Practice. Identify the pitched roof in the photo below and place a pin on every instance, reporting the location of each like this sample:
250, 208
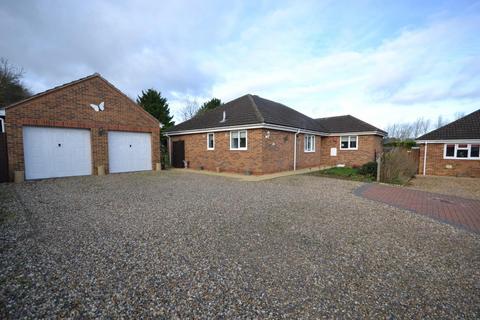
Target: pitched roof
54, 89
346, 123
249, 109
68, 84
467, 127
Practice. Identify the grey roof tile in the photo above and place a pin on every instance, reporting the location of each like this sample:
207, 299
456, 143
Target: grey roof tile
346, 123
467, 127
251, 109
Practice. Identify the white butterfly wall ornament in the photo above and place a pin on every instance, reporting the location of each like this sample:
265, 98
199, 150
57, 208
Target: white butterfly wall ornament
100, 107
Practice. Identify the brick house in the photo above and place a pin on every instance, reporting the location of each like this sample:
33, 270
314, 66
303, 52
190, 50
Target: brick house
452, 150
254, 135
80, 128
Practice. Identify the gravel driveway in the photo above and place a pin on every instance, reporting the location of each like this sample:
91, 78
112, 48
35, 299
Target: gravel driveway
196, 246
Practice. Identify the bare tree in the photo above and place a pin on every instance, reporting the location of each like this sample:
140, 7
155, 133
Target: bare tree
190, 110
407, 130
11, 86
420, 127
440, 122
458, 115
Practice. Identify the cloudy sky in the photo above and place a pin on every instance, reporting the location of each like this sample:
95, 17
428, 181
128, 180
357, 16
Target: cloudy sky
382, 61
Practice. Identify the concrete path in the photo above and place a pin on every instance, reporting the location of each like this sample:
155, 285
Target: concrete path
461, 212
243, 177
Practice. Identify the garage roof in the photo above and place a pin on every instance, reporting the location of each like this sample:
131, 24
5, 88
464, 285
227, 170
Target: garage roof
40, 94
65, 85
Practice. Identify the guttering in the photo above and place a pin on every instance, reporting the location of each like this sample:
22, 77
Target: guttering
360, 133
461, 141
249, 126
425, 158
295, 150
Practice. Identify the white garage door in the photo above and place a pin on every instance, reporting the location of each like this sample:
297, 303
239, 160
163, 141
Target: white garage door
56, 152
129, 151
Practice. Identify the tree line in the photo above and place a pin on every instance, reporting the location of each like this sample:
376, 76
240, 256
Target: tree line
418, 127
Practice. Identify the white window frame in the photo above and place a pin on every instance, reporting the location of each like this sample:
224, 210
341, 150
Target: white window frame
2, 125
246, 140
469, 148
208, 140
307, 136
349, 138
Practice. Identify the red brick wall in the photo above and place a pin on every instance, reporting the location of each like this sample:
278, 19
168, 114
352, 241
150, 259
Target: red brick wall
278, 151
268, 151
368, 146
238, 161
69, 107
438, 166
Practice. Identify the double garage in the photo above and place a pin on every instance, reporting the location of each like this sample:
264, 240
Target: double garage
60, 152
59, 133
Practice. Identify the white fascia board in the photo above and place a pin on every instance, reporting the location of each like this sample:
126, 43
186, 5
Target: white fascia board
457, 141
361, 133
246, 127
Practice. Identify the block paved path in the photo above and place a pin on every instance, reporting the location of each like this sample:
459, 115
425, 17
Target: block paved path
461, 212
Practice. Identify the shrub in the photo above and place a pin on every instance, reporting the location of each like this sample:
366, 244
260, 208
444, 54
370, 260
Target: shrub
409, 144
368, 169
398, 166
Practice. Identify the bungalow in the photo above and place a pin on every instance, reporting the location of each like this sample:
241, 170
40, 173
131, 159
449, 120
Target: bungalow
452, 150
254, 135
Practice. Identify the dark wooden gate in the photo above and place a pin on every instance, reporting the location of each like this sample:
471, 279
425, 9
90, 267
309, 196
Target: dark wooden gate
178, 154
414, 154
3, 158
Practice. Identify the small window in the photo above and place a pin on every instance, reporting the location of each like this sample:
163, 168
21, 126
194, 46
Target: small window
344, 143
210, 141
309, 143
353, 142
348, 143
238, 140
462, 151
450, 150
475, 151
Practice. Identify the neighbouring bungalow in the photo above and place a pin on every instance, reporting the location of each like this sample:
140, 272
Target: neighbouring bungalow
452, 150
253, 135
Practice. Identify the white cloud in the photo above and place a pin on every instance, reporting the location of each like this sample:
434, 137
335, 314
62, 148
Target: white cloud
322, 58
414, 74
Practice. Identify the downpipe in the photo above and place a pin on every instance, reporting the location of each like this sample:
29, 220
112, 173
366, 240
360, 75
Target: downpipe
295, 151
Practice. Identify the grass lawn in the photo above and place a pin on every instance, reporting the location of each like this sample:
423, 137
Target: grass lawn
344, 173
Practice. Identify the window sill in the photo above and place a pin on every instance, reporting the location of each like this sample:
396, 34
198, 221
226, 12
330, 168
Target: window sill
449, 158
309, 151
349, 149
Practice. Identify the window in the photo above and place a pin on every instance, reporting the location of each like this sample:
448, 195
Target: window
348, 143
462, 151
210, 141
238, 140
475, 151
450, 150
309, 143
